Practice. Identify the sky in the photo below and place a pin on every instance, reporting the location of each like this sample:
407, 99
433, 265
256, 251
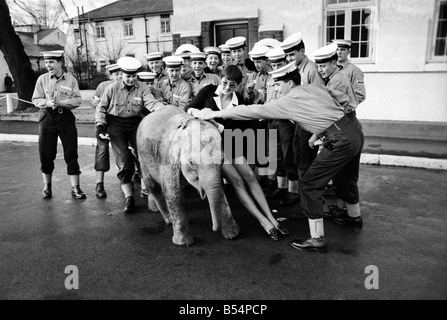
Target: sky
89, 5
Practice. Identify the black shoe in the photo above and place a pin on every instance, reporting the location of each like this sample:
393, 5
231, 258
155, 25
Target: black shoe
334, 212
282, 231
299, 215
130, 205
290, 199
273, 234
100, 192
77, 193
46, 193
279, 194
312, 244
346, 220
270, 186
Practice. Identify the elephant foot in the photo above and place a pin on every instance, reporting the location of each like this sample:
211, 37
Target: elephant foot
183, 240
230, 230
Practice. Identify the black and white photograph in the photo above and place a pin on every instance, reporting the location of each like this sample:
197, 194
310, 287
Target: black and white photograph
223, 159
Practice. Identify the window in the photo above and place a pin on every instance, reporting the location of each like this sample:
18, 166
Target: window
354, 20
100, 33
165, 24
128, 28
77, 35
102, 66
439, 48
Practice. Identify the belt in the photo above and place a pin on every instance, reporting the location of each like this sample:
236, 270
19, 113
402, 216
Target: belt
59, 110
337, 126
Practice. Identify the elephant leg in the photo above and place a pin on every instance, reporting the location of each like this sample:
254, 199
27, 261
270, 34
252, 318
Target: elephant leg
229, 227
180, 225
160, 202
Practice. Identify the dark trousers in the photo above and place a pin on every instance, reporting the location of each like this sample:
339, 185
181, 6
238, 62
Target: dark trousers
102, 155
53, 124
339, 160
123, 133
286, 131
304, 155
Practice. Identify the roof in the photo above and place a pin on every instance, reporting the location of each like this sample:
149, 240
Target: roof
44, 32
129, 8
32, 49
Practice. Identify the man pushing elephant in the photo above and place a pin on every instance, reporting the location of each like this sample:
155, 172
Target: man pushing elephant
120, 109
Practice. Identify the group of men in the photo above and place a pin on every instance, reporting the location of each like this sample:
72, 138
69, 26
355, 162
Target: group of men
306, 102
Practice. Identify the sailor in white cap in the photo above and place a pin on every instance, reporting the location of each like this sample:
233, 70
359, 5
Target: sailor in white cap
225, 56
155, 64
295, 49
176, 91
237, 46
212, 59
57, 93
314, 109
148, 78
102, 154
269, 42
120, 110
184, 51
256, 89
282, 186
199, 78
326, 59
354, 74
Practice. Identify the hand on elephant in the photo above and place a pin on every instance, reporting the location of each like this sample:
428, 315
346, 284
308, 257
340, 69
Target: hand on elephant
194, 112
207, 114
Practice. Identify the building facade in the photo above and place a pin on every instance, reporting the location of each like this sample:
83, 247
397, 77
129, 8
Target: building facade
399, 44
123, 28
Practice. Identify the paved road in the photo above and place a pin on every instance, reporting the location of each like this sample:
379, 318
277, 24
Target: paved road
132, 257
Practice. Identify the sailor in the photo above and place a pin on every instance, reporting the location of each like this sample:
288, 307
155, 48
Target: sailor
120, 109
199, 78
57, 93
176, 91
213, 59
155, 63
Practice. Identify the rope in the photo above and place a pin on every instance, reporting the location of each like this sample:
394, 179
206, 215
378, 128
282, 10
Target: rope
2, 97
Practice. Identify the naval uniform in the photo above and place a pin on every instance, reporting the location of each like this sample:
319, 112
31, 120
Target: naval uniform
120, 110
102, 153
59, 122
177, 93
313, 108
205, 79
304, 155
355, 75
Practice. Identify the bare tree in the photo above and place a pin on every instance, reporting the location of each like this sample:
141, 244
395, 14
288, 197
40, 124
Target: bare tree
16, 58
114, 47
49, 13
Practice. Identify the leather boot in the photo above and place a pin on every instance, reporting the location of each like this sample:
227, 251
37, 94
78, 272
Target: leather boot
100, 192
311, 244
130, 205
77, 193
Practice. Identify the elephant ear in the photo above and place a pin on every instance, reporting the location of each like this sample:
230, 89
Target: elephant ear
178, 139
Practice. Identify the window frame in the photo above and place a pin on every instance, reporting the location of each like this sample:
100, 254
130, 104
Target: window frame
349, 7
100, 25
163, 20
126, 24
433, 33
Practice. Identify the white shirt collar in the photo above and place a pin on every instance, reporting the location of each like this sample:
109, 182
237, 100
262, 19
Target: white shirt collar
232, 104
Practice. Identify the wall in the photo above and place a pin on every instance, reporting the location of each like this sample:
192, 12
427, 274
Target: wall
402, 84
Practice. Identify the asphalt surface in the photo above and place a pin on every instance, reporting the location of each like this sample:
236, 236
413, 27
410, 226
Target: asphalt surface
132, 257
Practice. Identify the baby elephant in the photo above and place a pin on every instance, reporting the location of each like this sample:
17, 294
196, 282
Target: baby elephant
173, 146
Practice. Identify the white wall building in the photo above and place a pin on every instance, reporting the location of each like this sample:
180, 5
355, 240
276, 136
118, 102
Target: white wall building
401, 45
127, 27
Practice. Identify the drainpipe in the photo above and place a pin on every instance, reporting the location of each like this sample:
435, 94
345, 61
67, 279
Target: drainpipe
146, 36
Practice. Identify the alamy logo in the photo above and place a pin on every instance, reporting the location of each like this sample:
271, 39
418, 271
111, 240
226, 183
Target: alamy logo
72, 281
372, 281
198, 145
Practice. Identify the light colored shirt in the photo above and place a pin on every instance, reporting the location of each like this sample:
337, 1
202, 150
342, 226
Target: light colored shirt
161, 79
204, 80
177, 94
261, 82
311, 106
245, 73
99, 91
118, 101
64, 89
355, 75
309, 72
338, 81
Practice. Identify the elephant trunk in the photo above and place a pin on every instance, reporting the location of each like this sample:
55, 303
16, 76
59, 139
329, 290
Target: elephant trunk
216, 201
